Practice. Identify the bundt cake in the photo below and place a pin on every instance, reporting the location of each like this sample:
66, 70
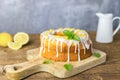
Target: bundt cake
65, 44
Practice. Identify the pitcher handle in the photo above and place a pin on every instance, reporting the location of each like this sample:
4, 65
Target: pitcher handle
118, 27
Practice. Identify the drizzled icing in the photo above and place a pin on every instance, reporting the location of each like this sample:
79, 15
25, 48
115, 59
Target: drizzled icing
53, 41
44, 44
41, 48
84, 38
75, 47
49, 44
78, 52
83, 47
57, 47
75, 43
61, 43
69, 45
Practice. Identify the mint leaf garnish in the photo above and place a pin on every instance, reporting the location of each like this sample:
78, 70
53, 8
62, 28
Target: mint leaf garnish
67, 32
72, 32
97, 55
71, 35
46, 61
76, 37
68, 67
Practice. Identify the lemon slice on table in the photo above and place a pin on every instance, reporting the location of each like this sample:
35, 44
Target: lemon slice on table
5, 38
21, 38
14, 45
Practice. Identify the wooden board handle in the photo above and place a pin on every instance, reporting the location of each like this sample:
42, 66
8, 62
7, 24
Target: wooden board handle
22, 70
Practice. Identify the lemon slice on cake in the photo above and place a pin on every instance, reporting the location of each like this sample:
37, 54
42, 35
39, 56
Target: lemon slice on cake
14, 45
21, 38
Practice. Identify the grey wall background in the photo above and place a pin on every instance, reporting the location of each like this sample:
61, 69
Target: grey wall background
35, 16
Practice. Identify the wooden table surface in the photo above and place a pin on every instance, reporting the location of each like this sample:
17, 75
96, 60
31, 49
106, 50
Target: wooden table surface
110, 70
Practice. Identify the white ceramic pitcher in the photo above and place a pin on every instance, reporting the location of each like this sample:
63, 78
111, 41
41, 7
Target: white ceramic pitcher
105, 31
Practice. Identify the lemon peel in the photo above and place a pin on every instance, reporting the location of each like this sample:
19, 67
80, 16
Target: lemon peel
5, 38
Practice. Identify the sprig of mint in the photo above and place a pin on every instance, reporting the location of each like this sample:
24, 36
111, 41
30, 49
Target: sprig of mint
68, 67
46, 61
97, 55
71, 35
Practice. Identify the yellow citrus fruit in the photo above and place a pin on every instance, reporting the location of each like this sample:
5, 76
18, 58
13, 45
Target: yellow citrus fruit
14, 46
5, 38
21, 38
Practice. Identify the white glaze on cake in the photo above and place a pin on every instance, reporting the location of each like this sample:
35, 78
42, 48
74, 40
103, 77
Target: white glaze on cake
49, 44
51, 38
69, 45
57, 48
78, 52
44, 44
75, 46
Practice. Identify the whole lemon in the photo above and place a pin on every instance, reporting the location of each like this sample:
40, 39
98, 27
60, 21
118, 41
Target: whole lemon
5, 38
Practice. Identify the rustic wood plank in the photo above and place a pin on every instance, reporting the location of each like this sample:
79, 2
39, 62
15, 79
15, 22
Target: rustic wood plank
107, 71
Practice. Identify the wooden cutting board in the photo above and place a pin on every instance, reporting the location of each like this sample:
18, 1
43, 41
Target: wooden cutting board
35, 64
